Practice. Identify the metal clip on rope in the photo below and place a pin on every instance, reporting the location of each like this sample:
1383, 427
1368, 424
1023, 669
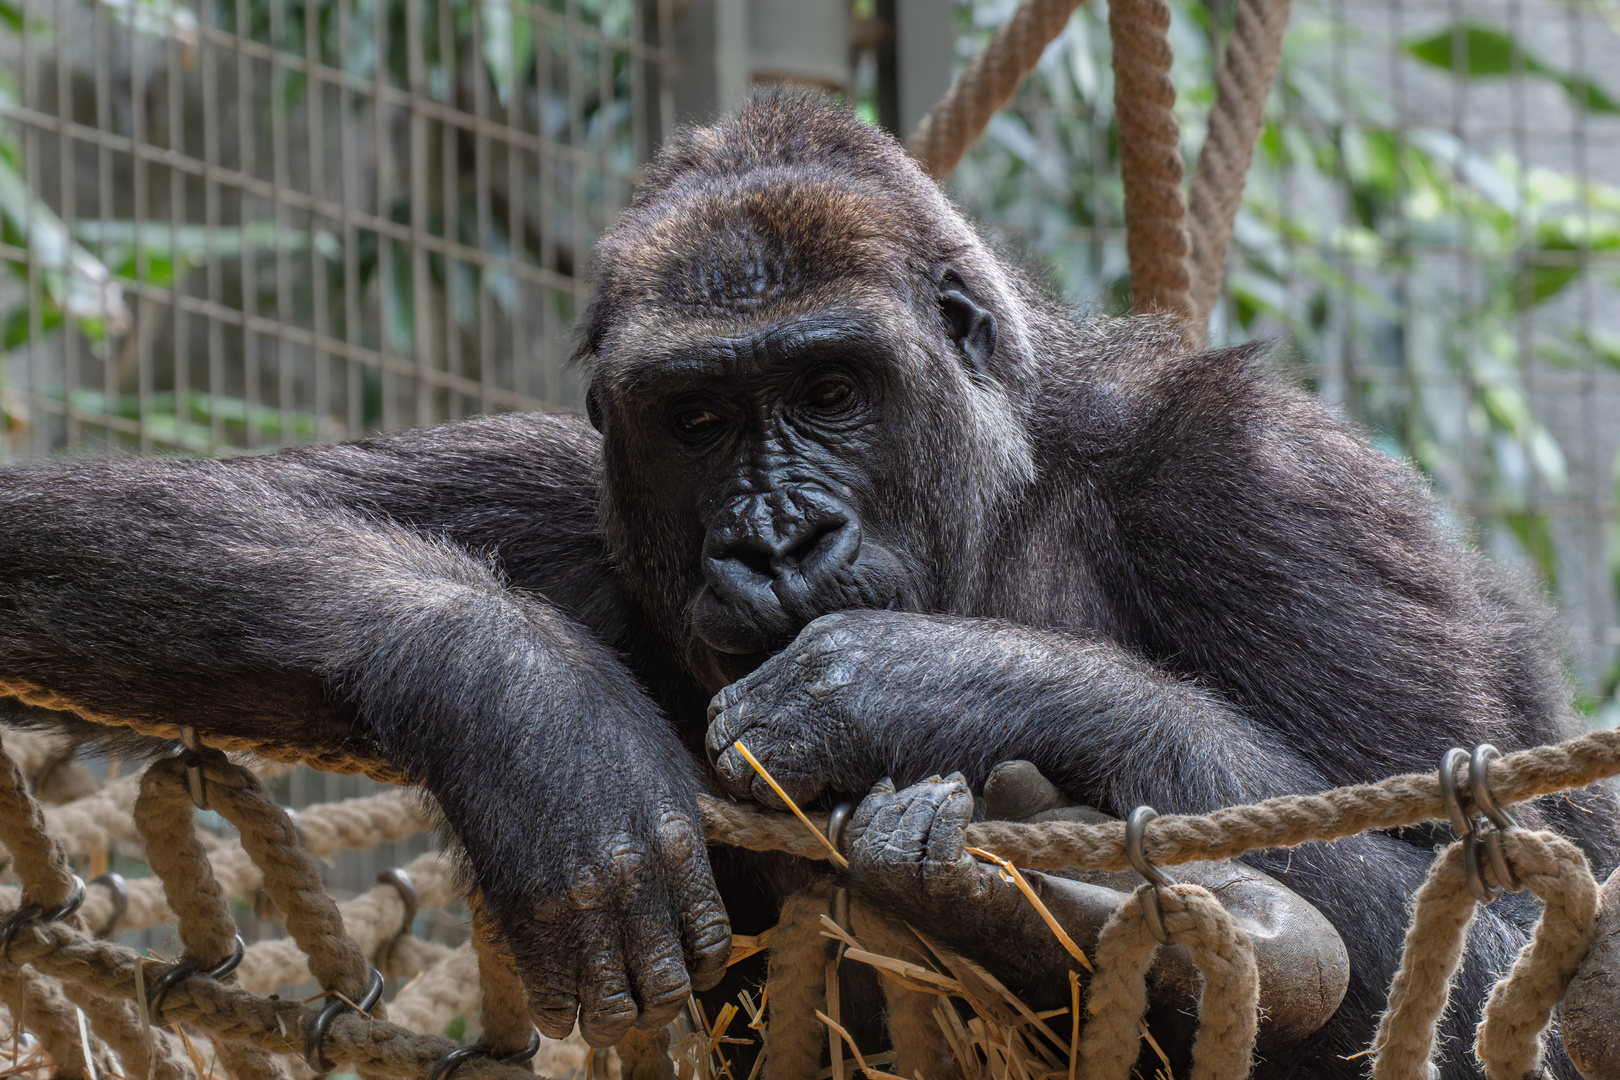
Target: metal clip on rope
447, 1065
24, 916
176, 974
402, 883
313, 1050
1467, 826
1135, 834
114, 883
194, 776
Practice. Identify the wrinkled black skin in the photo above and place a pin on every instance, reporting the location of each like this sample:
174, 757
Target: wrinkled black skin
1164, 578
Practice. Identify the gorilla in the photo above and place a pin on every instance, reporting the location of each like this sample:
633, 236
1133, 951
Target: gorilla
854, 490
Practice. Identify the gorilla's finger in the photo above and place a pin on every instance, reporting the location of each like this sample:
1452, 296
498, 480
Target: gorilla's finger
923, 805
655, 965
734, 773
946, 831
551, 979
607, 1008
888, 844
705, 931
657, 973
881, 794
798, 787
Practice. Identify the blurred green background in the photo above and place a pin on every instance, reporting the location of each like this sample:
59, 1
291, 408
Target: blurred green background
230, 225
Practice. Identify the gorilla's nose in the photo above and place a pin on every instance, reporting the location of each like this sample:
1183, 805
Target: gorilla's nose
772, 563
778, 550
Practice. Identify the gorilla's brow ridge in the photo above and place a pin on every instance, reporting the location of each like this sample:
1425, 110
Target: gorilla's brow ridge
791, 342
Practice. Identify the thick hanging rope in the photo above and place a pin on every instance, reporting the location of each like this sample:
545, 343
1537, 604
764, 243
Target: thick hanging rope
1248, 68
955, 124
1150, 157
1177, 246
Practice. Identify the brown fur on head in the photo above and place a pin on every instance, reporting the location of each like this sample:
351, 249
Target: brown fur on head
792, 211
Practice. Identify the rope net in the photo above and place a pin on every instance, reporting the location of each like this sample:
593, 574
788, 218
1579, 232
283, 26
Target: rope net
79, 1005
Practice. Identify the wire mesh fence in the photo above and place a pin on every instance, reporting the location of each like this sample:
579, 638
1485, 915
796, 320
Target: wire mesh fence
1431, 228
233, 224
228, 225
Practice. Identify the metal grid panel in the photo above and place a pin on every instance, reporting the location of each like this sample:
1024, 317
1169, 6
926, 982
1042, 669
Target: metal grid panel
238, 224
1433, 229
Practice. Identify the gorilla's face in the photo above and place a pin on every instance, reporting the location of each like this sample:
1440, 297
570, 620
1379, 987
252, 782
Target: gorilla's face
794, 371
772, 444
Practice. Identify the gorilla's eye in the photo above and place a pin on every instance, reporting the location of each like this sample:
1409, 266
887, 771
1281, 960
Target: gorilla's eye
695, 423
829, 393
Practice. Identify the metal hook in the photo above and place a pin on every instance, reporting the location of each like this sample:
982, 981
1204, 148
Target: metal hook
173, 976
1464, 823
1451, 794
115, 884
26, 915
1135, 835
313, 1052
453, 1060
194, 775
402, 883
1479, 785
838, 825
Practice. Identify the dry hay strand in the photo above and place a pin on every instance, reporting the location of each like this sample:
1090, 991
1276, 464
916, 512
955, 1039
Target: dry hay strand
1002, 1038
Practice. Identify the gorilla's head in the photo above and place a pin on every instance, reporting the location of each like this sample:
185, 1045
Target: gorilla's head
807, 370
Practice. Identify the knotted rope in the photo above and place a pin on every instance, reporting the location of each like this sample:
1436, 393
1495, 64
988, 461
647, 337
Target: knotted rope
108, 980
102, 978
1511, 1035
1516, 1015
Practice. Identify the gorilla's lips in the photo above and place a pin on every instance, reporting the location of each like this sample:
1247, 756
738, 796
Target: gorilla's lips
746, 616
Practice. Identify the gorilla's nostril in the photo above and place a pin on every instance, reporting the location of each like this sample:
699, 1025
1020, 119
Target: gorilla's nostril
758, 559
833, 540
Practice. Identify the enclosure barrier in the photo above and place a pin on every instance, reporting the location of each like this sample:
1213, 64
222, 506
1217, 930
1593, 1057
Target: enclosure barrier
1177, 258
96, 1007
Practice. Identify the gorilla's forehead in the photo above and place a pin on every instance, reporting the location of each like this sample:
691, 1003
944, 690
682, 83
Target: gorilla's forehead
733, 245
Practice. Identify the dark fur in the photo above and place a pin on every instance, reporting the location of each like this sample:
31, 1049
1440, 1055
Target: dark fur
1165, 578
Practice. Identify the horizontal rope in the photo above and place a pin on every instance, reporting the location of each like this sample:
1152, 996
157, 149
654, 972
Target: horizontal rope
1285, 821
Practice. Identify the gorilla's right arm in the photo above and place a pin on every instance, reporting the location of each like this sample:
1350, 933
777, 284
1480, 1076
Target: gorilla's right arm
349, 599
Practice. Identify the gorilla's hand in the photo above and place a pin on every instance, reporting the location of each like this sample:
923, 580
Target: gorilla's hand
799, 714
634, 925
906, 851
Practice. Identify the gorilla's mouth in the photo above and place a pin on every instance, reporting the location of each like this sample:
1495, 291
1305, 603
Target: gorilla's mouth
741, 621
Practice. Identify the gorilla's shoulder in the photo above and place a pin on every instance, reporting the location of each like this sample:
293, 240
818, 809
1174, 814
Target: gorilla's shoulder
1132, 396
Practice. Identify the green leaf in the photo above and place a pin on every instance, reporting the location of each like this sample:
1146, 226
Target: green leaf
77, 281
16, 330
1474, 51
11, 16
1485, 51
508, 45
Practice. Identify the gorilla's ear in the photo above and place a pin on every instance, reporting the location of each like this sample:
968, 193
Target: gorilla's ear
972, 328
593, 408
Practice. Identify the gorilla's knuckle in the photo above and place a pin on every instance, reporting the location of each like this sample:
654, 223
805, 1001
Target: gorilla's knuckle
663, 979
680, 842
